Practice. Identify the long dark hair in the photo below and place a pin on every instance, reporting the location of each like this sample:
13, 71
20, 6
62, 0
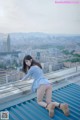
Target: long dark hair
25, 67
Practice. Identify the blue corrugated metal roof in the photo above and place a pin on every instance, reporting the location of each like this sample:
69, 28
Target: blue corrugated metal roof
30, 110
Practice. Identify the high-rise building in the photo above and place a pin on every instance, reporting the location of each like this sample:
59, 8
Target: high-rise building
4, 43
50, 68
4, 47
8, 44
38, 56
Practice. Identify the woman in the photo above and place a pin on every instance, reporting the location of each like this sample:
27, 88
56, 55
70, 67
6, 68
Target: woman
43, 87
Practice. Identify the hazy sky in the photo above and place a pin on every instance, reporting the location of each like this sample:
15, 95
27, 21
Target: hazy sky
39, 16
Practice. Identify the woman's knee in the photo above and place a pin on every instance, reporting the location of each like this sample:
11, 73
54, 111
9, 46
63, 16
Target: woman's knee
48, 101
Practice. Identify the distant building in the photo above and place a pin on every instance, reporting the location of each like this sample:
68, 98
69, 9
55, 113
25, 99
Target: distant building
38, 56
4, 47
42, 64
50, 68
3, 43
8, 44
77, 52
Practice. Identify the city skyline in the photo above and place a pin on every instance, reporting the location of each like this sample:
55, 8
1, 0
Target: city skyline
39, 16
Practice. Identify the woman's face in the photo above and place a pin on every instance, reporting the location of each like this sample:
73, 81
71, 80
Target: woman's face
28, 62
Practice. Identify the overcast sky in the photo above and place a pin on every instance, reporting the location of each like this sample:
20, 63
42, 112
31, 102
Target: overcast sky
39, 16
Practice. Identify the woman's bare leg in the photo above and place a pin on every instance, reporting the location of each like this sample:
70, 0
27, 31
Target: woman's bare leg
63, 106
40, 95
51, 105
48, 94
48, 105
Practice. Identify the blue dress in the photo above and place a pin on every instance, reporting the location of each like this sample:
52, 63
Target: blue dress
37, 74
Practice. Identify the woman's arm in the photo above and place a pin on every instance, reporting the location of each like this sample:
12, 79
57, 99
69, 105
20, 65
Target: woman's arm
27, 75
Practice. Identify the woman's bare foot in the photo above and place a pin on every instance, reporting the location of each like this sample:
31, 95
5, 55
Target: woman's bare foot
64, 107
51, 107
